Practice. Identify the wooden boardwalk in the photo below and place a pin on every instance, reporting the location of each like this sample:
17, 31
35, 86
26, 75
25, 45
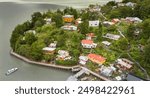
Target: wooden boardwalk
40, 63
58, 66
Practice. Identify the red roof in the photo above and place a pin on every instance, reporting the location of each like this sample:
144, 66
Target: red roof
97, 57
87, 42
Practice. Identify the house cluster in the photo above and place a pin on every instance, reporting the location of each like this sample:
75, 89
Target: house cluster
128, 4
63, 55
98, 59
88, 42
124, 64
132, 20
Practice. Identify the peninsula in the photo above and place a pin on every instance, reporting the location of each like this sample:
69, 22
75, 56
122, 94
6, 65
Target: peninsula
110, 41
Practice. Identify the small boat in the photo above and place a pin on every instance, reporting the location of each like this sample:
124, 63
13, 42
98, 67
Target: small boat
10, 71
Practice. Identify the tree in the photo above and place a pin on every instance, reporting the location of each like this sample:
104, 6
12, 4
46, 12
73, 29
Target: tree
84, 27
141, 10
71, 11
112, 28
30, 38
115, 14
111, 3
24, 50
36, 16
49, 57
57, 18
40, 22
147, 54
130, 31
121, 44
106, 9
36, 50
85, 16
146, 28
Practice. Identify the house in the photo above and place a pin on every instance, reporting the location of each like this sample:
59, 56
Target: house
96, 58
30, 31
63, 55
48, 20
118, 78
83, 60
115, 20
95, 9
94, 23
119, 4
48, 50
106, 71
107, 23
53, 45
78, 21
69, 27
130, 4
112, 36
68, 18
106, 43
88, 44
133, 20
124, 64
89, 36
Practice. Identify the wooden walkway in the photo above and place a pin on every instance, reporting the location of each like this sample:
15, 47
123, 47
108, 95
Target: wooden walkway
40, 63
58, 66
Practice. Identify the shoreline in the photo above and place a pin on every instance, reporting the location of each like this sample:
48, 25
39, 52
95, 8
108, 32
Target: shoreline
40, 63
56, 66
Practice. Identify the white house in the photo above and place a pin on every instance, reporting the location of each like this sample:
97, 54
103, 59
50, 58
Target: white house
112, 36
69, 27
30, 31
78, 21
130, 4
88, 44
83, 60
106, 71
118, 78
63, 55
94, 23
48, 20
133, 19
53, 45
106, 43
48, 50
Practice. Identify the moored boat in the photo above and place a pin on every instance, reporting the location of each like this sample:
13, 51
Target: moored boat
10, 71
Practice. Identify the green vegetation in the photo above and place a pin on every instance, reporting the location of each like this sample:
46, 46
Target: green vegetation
30, 45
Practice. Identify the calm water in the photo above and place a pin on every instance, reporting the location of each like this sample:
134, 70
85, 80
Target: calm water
12, 14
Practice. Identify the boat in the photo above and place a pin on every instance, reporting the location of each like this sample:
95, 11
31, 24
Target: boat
10, 71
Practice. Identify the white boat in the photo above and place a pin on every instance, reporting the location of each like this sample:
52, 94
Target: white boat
10, 71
